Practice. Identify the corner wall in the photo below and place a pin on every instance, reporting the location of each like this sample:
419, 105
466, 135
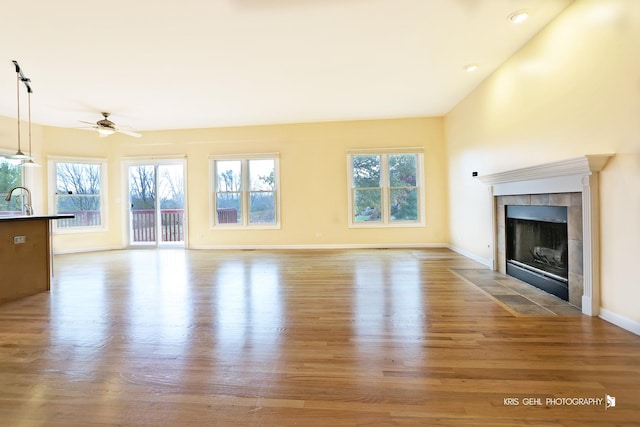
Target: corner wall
574, 89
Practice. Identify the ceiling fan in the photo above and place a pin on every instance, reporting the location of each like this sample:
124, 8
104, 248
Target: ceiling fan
106, 127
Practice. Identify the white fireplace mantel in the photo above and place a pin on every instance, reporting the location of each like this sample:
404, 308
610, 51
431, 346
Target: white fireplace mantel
556, 177
572, 175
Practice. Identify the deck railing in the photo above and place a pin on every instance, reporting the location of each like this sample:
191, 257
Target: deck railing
172, 225
81, 219
144, 225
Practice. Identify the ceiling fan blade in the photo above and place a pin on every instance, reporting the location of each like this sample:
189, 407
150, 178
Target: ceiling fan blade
129, 132
85, 127
106, 127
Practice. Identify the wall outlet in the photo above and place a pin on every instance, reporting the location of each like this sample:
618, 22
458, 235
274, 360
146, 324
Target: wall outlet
17, 240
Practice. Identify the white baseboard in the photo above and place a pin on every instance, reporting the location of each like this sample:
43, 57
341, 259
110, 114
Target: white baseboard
327, 246
621, 321
277, 247
82, 250
486, 262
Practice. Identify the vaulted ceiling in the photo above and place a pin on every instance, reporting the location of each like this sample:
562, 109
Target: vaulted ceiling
208, 63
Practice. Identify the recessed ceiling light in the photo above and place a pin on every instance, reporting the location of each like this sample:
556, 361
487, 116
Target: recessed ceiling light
519, 16
470, 68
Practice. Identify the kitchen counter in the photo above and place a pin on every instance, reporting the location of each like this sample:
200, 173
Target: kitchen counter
25, 255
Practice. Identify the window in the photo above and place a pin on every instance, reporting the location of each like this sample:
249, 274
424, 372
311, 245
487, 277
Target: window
79, 190
385, 189
246, 191
10, 176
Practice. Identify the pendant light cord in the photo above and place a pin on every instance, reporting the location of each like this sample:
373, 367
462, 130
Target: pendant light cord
29, 98
18, 96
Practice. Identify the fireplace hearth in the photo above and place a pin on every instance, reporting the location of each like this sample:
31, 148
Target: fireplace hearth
537, 247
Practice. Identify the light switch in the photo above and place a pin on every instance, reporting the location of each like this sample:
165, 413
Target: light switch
19, 239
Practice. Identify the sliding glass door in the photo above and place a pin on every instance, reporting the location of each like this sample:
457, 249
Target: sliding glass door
156, 203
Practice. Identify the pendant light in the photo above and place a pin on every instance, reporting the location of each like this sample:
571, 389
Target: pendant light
19, 154
30, 163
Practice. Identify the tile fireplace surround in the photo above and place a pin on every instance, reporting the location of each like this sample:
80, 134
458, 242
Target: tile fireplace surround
572, 183
573, 203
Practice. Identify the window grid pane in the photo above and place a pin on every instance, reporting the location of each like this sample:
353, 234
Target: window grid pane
367, 204
402, 170
229, 207
366, 171
229, 175
262, 175
403, 204
262, 207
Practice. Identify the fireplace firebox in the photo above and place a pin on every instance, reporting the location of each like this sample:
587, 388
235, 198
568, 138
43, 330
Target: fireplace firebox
537, 247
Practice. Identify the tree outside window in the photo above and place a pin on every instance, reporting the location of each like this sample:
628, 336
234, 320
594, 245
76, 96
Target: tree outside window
10, 176
142, 191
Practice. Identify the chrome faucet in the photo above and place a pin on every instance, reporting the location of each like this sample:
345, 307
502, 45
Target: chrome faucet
27, 206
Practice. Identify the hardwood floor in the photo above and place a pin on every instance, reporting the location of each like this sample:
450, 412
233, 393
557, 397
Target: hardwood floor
308, 338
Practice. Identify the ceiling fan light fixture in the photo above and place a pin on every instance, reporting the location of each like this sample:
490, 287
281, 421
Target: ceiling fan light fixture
470, 68
519, 16
106, 131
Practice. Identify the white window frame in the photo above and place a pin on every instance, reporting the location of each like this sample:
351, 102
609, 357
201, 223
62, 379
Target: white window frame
385, 217
53, 184
245, 191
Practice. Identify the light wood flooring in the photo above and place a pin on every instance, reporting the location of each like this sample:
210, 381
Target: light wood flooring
307, 338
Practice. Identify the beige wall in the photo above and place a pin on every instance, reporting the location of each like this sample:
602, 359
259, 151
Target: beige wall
312, 172
572, 90
74, 143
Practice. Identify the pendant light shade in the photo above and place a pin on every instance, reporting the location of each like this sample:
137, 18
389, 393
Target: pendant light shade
30, 164
18, 156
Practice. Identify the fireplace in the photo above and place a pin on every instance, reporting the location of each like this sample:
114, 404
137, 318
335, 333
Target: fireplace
572, 183
537, 247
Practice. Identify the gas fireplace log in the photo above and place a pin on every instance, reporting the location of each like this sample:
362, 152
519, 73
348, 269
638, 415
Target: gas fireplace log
547, 256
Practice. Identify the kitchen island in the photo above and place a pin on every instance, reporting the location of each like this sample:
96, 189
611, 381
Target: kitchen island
25, 255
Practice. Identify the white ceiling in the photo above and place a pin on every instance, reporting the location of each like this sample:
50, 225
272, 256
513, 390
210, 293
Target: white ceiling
208, 63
